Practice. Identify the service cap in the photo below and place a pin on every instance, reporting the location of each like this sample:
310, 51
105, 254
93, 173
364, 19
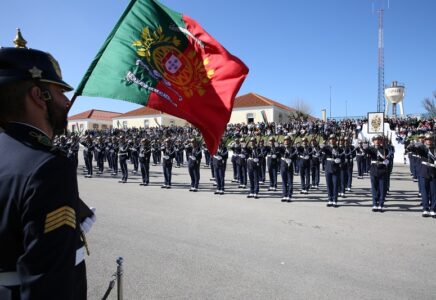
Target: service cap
18, 64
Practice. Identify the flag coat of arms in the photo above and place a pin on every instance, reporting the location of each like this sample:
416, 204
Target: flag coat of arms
167, 61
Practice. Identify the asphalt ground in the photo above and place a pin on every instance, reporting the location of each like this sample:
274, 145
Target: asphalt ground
178, 244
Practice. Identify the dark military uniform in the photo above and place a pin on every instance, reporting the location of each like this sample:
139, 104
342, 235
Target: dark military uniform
288, 158
194, 154
219, 162
427, 174
236, 149
360, 160
123, 156
167, 163
304, 155
253, 168
332, 171
272, 161
378, 172
144, 161
42, 252
88, 148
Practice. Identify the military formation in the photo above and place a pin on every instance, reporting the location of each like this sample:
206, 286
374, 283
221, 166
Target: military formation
422, 158
257, 161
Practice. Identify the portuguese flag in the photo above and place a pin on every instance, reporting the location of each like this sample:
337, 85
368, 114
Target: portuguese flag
167, 61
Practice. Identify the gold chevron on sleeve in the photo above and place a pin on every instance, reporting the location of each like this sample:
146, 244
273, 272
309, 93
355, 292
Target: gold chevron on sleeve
64, 215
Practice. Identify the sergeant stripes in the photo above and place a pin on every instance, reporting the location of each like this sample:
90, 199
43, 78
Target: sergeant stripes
64, 215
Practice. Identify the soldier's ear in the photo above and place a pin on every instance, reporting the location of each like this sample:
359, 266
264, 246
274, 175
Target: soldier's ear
36, 97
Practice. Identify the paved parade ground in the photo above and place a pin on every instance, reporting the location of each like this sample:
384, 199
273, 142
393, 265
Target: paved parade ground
178, 244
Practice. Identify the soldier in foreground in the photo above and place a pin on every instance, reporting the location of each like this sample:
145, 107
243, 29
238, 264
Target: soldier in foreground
378, 172
41, 223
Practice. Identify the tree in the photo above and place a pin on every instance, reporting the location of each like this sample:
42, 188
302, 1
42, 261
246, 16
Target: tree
302, 111
429, 105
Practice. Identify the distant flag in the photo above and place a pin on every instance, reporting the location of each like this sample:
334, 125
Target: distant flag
155, 120
165, 60
264, 117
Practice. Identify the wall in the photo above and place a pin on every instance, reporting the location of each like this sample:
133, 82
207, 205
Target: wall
239, 115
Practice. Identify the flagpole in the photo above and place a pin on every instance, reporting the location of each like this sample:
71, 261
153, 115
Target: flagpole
72, 102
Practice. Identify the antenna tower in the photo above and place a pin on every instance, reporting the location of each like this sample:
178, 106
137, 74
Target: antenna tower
381, 64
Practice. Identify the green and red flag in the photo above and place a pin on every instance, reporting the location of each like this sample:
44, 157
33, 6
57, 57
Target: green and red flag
165, 60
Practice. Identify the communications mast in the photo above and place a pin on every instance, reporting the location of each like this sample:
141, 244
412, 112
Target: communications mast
381, 64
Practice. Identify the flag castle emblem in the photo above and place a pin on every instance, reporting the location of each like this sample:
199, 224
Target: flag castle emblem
161, 58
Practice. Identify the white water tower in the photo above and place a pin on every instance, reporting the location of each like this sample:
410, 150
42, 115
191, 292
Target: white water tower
394, 95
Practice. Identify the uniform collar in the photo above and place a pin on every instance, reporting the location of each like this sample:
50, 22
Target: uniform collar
29, 135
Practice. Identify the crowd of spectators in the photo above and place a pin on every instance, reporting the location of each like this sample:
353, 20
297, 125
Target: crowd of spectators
404, 128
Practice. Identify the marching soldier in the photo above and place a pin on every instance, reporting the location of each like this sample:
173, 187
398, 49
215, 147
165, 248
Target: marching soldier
123, 156
194, 154
107, 150
100, 148
332, 170
114, 155
168, 154
391, 154
427, 172
42, 254
304, 155
242, 165
219, 164
178, 148
272, 160
88, 148
288, 156
253, 167
206, 155
144, 161
343, 168
262, 161
73, 150
378, 172
350, 154
236, 149
134, 154
156, 152
360, 159
315, 162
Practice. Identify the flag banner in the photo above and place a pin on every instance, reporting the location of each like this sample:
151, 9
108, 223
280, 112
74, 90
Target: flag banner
167, 61
264, 117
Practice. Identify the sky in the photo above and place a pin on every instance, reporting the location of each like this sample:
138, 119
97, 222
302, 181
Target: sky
305, 51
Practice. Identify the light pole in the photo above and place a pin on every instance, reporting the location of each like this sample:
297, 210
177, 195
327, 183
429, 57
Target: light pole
346, 109
330, 110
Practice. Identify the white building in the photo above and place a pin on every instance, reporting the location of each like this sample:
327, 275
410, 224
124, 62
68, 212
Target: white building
248, 108
91, 119
146, 117
255, 108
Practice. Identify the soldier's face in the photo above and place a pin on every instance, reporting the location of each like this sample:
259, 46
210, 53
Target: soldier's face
429, 143
60, 108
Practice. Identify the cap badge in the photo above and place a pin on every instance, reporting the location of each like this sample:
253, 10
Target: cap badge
36, 73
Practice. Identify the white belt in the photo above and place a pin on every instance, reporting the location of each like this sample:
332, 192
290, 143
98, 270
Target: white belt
330, 159
80, 255
12, 278
416, 155
9, 279
428, 164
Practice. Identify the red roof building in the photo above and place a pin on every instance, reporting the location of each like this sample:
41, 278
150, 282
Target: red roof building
91, 119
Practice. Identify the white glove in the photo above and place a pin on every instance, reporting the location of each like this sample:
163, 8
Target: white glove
86, 225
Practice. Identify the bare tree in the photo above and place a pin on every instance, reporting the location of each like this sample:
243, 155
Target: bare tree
429, 105
302, 111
